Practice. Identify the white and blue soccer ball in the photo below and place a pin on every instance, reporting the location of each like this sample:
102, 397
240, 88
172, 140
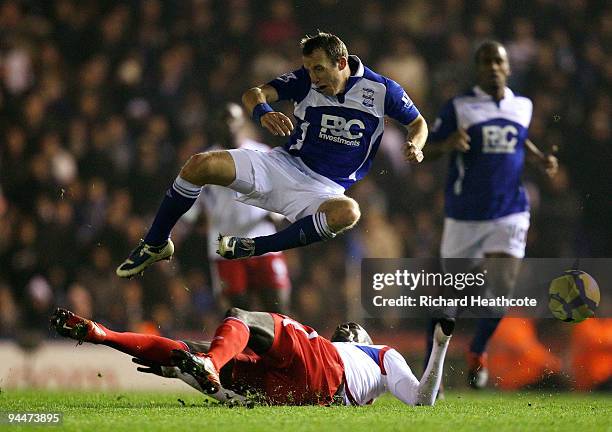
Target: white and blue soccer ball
574, 296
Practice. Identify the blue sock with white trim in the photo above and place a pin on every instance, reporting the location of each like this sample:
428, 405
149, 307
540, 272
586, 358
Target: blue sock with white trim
309, 229
178, 199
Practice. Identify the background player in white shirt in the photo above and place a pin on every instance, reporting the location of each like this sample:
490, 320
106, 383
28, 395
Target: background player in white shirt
340, 107
264, 280
487, 213
278, 358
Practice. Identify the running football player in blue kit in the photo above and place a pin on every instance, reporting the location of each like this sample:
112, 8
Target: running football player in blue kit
487, 212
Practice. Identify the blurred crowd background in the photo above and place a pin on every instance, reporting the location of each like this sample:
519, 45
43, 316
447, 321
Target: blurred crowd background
102, 102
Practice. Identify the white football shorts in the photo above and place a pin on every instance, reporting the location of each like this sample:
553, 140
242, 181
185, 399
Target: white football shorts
474, 239
278, 182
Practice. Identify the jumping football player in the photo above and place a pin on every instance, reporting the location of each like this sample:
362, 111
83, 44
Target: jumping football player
487, 213
277, 358
340, 107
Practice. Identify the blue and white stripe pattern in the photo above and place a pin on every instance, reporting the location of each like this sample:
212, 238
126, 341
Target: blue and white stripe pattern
320, 223
186, 189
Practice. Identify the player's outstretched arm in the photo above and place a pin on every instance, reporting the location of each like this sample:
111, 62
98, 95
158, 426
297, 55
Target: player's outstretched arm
548, 161
401, 382
256, 101
415, 141
150, 367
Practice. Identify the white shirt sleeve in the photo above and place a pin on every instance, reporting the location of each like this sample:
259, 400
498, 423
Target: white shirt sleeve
401, 382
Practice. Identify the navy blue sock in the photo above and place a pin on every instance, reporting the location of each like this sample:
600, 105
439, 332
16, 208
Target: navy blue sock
178, 199
484, 330
309, 229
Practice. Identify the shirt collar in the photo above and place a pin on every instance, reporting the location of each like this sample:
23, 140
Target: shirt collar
480, 92
355, 65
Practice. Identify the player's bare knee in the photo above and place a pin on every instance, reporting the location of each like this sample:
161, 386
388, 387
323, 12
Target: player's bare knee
342, 214
214, 167
195, 170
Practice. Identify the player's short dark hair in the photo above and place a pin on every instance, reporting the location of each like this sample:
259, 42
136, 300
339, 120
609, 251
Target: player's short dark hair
488, 44
330, 43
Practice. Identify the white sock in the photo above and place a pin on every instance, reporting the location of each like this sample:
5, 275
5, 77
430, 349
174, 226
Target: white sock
432, 377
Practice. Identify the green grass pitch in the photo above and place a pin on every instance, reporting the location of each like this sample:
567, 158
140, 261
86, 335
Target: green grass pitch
469, 411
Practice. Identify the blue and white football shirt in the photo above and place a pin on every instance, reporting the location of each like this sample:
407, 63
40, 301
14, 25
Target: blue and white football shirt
338, 136
371, 370
485, 182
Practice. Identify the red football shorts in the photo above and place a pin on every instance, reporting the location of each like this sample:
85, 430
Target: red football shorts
256, 273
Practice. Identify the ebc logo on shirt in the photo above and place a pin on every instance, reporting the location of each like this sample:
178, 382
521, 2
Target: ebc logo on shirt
497, 139
339, 130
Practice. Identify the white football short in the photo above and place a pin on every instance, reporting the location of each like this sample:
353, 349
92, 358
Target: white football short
474, 239
278, 182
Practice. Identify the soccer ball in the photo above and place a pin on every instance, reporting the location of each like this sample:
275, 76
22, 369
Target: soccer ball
573, 297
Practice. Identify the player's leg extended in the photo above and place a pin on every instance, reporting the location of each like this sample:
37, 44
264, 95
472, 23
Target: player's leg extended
445, 313
215, 167
502, 271
432, 377
333, 217
152, 348
240, 329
